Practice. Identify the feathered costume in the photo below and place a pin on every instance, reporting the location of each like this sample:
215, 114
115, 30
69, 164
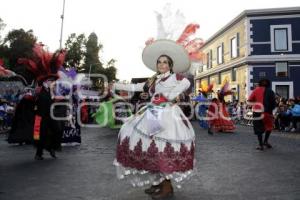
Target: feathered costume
219, 119
44, 65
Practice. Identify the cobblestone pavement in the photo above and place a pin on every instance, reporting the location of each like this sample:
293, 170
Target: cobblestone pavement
228, 167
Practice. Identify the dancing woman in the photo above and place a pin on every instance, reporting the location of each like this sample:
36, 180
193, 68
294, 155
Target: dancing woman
156, 146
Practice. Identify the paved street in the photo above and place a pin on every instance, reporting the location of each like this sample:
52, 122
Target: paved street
228, 167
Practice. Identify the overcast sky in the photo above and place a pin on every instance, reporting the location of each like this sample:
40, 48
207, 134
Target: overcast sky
122, 26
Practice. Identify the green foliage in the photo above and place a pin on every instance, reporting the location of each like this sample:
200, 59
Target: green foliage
92, 61
18, 44
4, 53
76, 48
83, 54
110, 70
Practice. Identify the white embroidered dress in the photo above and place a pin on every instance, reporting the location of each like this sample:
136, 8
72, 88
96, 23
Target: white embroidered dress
158, 142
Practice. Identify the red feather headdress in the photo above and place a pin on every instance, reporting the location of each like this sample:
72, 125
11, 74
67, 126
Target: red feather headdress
225, 89
43, 63
205, 90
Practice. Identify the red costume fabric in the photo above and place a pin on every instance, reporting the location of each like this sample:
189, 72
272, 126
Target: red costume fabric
258, 96
84, 112
268, 120
219, 120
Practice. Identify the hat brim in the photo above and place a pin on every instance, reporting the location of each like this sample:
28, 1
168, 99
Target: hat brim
180, 57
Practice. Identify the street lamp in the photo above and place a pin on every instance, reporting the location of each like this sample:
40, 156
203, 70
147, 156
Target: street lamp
62, 25
91, 67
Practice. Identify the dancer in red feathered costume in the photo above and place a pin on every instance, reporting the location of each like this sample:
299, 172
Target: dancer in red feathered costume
47, 132
219, 119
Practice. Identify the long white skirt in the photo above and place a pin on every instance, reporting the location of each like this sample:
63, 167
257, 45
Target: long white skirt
151, 149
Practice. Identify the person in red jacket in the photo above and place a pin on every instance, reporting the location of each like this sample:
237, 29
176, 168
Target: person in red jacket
263, 103
84, 112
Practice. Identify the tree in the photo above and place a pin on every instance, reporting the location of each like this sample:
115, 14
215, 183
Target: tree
92, 60
2, 26
110, 71
3, 48
93, 64
76, 49
19, 44
92, 55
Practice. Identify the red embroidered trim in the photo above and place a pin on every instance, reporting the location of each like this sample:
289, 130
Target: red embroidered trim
152, 160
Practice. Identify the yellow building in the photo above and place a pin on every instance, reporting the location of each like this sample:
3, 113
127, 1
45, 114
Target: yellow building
243, 52
225, 54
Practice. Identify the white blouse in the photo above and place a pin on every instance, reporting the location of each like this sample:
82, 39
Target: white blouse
171, 87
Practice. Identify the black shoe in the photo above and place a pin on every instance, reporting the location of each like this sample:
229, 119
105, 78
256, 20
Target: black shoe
52, 154
268, 145
210, 132
260, 148
37, 157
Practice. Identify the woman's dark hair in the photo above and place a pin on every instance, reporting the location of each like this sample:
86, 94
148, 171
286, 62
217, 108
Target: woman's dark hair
170, 61
264, 83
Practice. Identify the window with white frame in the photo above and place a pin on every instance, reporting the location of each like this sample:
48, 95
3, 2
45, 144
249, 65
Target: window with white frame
207, 60
281, 38
233, 74
234, 49
220, 54
282, 69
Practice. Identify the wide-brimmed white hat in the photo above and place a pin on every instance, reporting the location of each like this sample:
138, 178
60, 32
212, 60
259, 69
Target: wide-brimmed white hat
180, 57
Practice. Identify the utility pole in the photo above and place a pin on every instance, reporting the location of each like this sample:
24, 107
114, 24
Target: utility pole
62, 25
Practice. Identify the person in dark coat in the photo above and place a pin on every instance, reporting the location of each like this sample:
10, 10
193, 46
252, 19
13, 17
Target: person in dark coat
47, 131
23, 120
